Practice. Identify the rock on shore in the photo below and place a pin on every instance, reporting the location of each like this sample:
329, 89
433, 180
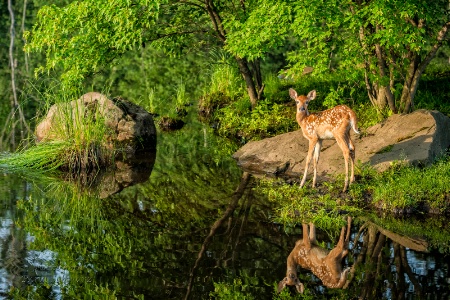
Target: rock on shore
416, 138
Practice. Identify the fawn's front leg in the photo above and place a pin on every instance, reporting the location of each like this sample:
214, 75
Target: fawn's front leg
312, 145
316, 160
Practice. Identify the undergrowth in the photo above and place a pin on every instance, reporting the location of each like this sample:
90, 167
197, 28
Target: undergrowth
414, 189
233, 118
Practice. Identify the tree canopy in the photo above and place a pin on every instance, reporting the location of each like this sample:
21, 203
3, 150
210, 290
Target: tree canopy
387, 43
390, 42
83, 36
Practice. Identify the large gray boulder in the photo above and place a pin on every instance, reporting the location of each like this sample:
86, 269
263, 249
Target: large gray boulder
131, 128
416, 138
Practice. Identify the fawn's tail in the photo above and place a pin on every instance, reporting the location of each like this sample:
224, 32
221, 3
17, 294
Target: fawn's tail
354, 121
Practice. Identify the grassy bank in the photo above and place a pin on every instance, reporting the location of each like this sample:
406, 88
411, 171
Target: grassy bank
400, 190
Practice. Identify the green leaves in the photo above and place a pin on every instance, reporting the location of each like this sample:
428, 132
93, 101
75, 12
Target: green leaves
83, 36
265, 27
380, 38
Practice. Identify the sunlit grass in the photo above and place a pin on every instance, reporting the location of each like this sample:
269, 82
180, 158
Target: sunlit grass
46, 156
401, 189
76, 141
225, 79
410, 187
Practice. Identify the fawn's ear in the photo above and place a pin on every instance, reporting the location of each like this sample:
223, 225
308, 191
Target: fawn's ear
282, 284
311, 95
299, 286
293, 94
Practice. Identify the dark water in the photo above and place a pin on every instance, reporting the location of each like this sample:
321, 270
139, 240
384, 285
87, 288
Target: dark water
190, 225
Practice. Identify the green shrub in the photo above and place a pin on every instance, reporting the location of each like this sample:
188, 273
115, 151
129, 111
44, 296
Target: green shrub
239, 123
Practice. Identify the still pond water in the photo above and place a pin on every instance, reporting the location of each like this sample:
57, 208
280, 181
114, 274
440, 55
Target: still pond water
185, 225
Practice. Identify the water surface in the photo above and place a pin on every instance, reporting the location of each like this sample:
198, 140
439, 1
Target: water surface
192, 226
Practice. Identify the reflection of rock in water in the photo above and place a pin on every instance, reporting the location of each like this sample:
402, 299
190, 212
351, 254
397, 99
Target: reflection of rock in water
107, 182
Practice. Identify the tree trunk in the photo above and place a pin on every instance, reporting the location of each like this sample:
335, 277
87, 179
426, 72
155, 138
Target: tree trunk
415, 72
385, 94
24, 14
380, 101
405, 99
19, 125
14, 103
249, 82
256, 66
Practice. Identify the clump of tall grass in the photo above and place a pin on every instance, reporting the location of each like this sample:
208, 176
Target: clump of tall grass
43, 156
77, 140
225, 86
225, 79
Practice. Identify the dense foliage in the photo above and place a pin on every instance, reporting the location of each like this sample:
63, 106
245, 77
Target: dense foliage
389, 43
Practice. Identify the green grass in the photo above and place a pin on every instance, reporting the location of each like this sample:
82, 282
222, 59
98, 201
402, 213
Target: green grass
78, 141
44, 156
225, 87
401, 189
412, 188
295, 206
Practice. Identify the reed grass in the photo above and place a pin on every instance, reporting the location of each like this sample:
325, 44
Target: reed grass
77, 141
44, 156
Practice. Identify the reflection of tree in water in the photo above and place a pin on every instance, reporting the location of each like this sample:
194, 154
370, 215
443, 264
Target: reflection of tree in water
18, 267
12, 255
382, 269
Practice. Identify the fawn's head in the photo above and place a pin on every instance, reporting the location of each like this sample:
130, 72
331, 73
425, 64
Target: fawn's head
302, 101
291, 279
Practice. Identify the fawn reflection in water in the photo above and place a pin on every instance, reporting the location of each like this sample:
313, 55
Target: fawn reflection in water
325, 264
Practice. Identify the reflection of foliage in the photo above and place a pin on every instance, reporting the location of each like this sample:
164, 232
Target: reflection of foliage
296, 206
188, 177
136, 241
12, 239
237, 289
145, 240
371, 279
433, 229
